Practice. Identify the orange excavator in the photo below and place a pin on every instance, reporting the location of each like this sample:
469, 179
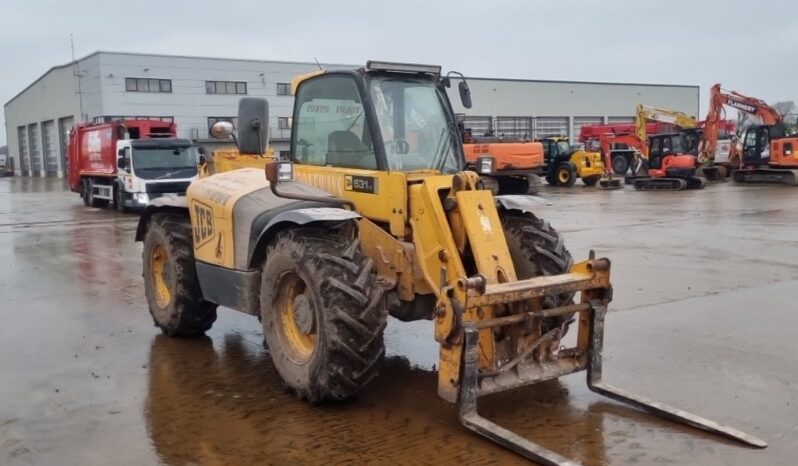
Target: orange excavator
664, 162
768, 151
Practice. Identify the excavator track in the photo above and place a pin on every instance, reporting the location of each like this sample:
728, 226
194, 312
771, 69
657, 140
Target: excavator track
660, 184
667, 184
766, 175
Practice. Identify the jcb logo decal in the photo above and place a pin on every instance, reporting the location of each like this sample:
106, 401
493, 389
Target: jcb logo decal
203, 224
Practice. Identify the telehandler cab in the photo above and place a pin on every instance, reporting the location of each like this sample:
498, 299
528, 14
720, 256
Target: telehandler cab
375, 216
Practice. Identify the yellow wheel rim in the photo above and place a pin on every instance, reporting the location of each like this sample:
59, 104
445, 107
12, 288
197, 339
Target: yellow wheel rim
295, 318
161, 276
563, 175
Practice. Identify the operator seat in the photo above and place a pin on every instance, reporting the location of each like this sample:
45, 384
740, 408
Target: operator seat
345, 149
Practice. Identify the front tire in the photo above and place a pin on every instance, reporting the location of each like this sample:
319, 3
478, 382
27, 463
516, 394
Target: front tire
170, 278
119, 199
537, 249
566, 174
323, 313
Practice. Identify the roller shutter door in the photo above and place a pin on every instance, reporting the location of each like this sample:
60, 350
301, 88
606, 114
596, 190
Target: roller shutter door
551, 126
617, 119
514, 127
478, 124
64, 127
49, 146
24, 160
34, 144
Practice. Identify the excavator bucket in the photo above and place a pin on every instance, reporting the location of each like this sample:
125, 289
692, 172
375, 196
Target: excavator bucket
538, 361
609, 183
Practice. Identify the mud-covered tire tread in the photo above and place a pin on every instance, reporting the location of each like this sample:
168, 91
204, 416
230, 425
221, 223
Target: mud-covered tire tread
352, 310
543, 252
191, 315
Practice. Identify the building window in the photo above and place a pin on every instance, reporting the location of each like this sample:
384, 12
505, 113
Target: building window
283, 89
283, 123
225, 87
213, 120
148, 85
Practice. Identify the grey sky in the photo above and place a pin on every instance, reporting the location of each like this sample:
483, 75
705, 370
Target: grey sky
747, 46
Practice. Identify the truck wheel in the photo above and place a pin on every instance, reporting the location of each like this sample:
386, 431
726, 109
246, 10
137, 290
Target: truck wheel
323, 313
619, 165
537, 249
119, 199
89, 198
490, 183
513, 185
84, 191
566, 174
170, 278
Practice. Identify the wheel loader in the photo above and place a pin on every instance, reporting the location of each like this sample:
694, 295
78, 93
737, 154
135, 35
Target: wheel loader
374, 216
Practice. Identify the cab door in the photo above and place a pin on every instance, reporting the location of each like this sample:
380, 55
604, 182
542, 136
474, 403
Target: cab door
655, 152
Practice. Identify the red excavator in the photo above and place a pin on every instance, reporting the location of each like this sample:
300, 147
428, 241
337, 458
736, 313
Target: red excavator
664, 162
768, 152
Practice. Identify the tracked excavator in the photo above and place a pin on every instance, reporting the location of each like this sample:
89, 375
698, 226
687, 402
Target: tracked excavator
768, 150
360, 224
690, 136
660, 165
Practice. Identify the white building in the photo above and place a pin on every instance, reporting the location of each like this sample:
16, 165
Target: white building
194, 92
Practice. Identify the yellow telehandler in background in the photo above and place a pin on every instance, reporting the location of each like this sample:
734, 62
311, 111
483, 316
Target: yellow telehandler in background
374, 216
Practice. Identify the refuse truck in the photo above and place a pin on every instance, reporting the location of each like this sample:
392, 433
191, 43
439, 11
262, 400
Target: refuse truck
126, 164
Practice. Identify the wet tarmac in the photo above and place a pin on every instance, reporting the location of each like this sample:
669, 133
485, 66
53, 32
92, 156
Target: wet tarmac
703, 318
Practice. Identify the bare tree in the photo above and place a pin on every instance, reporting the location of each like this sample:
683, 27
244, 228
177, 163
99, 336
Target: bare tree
787, 110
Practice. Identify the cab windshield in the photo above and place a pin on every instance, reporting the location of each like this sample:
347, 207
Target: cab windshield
160, 160
413, 122
563, 147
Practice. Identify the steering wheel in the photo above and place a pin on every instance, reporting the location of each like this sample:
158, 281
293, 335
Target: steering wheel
397, 146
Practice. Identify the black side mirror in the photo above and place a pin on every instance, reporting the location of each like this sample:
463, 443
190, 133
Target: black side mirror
465, 94
202, 159
121, 161
253, 121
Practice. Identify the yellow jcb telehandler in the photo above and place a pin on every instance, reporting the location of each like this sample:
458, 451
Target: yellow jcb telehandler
374, 216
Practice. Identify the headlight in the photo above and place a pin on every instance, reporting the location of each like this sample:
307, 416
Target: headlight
141, 198
485, 165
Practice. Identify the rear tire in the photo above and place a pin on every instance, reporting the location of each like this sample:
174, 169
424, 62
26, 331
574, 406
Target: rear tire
170, 278
89, 198
323, 313
619, 164
537, 249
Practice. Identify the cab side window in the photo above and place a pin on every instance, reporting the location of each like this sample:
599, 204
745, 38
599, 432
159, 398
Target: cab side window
330, 125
